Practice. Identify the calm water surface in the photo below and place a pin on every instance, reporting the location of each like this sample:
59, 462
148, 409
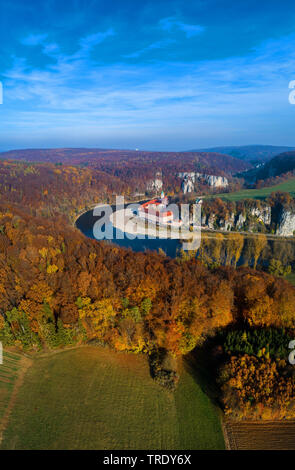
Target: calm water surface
276, 248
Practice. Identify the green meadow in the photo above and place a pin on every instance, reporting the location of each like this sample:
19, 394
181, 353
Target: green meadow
93, 398
263, 193
291, 278
8, 374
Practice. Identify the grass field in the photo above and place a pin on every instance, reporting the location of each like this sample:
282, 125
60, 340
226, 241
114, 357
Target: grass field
291, 278
92, 398
287, 186
8, 374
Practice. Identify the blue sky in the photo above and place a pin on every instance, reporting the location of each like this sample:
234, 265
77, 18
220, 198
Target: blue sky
155, 75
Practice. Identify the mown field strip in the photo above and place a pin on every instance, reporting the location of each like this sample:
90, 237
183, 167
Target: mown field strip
94, 398
12, 373
269, 435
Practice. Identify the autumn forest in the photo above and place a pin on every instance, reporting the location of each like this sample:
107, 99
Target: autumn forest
60, 288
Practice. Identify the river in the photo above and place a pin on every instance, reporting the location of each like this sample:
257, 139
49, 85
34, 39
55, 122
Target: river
221, 248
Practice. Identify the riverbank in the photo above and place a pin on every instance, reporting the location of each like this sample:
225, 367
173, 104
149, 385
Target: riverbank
134, 233
126, 221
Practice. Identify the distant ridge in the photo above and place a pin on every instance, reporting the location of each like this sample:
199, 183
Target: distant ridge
279, 165
115, 160
250, 153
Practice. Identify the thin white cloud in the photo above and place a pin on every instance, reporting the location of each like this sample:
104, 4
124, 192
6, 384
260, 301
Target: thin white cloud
50, 49
75, 92
34, 39
155, 45
92, 40
170, 23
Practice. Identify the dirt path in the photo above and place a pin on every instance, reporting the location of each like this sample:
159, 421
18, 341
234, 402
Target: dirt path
25, 363
252, 435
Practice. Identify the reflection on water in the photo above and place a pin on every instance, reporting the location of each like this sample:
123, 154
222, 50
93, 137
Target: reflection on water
221, 248
246, 250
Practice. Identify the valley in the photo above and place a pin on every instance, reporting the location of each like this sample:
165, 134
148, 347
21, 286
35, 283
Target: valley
147, 231
116, 325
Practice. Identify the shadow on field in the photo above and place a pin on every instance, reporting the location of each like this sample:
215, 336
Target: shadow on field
203, 364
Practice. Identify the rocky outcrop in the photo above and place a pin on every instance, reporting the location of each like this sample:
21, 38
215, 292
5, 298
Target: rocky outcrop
252, 219
241, 219
155, 185
249, 216
263, 214
213, 181
185, 175
227, 224
210, 221
286, 223
187, 186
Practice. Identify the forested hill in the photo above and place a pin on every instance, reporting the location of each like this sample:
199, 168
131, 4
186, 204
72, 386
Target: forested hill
122, 162
251, 152
53, 276
47, 189
279, 165
59, 288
